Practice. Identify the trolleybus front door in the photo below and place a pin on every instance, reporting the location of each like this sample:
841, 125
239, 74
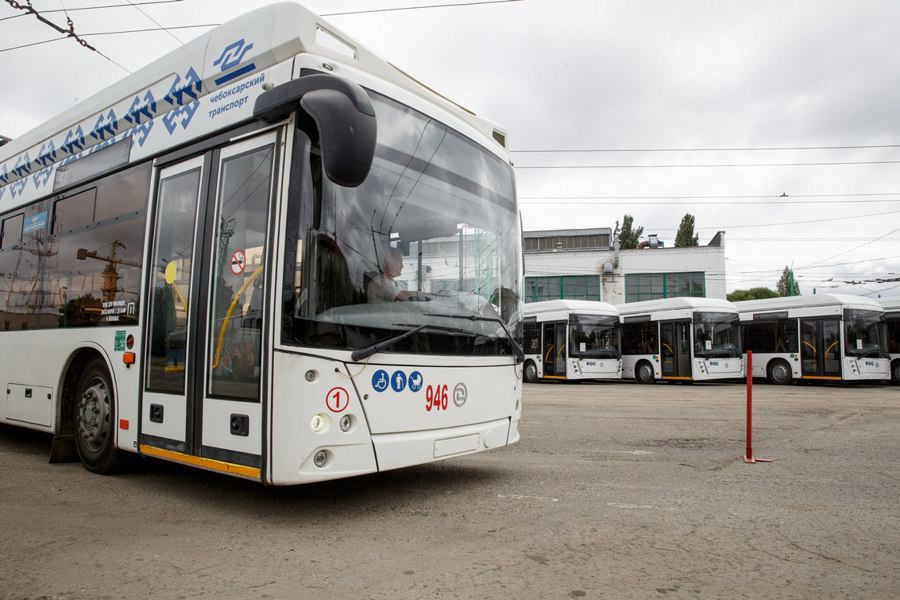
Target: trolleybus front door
820, 348
675, 349
202, 400
555, 350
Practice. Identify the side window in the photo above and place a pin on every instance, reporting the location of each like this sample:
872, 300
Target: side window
10, 254
93, 268
24, 244
12, 232
74, 212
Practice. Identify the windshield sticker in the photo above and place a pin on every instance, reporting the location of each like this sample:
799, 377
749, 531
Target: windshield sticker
380, 380
415, 381
398, 381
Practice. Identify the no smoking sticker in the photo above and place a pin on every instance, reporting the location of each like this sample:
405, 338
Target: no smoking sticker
238, 260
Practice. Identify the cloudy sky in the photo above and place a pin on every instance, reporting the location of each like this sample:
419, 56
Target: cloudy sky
776, 121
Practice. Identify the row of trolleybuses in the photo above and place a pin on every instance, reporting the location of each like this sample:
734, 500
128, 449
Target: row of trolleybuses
823, 337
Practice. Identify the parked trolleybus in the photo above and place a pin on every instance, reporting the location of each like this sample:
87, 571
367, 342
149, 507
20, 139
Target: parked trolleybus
680, 339
268, 253
892, 318
819, 337
571, 340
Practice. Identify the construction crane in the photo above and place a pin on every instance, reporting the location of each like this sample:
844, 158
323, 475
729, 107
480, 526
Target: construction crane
110, 275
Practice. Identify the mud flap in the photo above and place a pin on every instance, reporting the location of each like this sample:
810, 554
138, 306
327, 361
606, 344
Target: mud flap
62, 449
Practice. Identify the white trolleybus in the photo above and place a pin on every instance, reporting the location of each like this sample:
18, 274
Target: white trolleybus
820, 337
680, 339
892, 317
268, 253
571, 340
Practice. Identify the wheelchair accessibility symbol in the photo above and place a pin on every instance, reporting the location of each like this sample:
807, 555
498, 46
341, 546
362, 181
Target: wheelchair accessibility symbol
380, 380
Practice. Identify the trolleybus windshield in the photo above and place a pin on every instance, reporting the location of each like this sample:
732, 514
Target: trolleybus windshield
865, 333
594, 336
433, 196
716, 335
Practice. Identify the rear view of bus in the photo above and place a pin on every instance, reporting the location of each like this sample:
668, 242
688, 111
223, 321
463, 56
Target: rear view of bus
323, 260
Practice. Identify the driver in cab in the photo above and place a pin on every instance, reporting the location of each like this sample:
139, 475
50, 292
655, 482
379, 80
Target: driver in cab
382, 287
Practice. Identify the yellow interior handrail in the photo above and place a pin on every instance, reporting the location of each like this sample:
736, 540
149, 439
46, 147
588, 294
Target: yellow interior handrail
177, 291
230, 310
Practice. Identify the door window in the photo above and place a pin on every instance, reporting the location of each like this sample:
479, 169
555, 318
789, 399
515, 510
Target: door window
170, 282
239, 248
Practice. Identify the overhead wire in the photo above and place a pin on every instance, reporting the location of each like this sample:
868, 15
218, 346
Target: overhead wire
420, 7
106, 6
140, 10
69, 33
695, 149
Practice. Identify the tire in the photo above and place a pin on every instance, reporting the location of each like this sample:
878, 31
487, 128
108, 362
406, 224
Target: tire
95, 421
643, 373
895, 372
530, 372
779, 372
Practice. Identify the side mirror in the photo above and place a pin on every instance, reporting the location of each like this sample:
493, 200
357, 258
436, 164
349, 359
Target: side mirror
336, 113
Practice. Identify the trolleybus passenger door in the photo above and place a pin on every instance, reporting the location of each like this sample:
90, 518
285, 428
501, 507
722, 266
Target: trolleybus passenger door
555, 350
675, 349
207, 317
170, 334
820, 348
236, 320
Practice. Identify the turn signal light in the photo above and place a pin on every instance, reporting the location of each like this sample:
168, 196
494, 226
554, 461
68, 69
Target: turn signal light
128, 358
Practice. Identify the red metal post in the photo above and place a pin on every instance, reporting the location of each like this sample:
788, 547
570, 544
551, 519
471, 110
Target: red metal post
748, 457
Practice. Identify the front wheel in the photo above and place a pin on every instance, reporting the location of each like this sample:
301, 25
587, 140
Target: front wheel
779, 372
95, 418
530, 372
895, 372
644, 373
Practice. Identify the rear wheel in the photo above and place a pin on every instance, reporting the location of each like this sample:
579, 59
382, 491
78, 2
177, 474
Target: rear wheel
644, 373
779, 372
95, 418
895, 372
530, 372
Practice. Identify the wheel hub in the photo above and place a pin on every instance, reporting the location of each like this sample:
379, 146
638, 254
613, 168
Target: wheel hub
93, 415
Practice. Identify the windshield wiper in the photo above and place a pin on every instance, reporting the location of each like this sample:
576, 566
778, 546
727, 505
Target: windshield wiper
367, 351
517, 349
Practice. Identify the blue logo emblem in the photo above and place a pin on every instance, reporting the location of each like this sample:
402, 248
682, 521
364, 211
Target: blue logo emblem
398, 381
232, 57
415, 381
380, 380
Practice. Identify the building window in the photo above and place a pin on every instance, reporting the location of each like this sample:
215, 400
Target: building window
567, 242
571, 287
650, 286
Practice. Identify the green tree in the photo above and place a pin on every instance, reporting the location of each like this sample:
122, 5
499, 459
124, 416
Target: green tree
686, 236
628, 235
784, 286
756, 293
